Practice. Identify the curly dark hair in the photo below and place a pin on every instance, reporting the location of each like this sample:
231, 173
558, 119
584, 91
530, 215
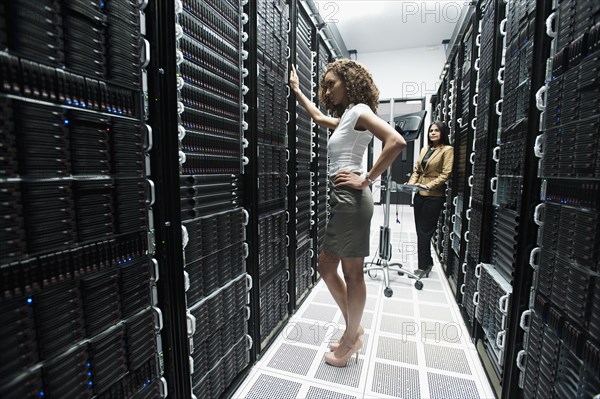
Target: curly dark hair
359, 86
444, 132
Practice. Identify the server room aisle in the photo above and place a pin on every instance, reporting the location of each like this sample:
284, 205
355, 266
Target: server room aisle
415, 343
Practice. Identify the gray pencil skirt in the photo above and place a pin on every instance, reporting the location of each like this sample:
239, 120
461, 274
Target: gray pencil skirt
349, 228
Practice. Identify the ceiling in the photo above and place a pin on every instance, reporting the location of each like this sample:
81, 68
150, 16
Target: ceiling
374, 26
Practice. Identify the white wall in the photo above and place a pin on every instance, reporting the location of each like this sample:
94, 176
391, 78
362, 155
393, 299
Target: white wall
406, 73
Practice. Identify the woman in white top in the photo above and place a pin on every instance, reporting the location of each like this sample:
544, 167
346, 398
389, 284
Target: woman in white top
349, 94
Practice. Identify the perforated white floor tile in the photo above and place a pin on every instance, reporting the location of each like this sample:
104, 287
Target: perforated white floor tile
395, 381
432, 283
349, 376
306, 333
323, 296
398, 350
443, 332
319, 312
374, 288
429, 295
371, 303
293, 359
322, 393
267, 386
400, 307
445, 358
444, 386
434, 312
366, 321
415, 346
401, 326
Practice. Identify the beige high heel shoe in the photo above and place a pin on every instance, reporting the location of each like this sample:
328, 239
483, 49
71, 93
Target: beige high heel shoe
332, 360
334, 345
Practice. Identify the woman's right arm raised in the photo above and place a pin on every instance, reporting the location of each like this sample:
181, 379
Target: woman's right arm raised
313, 111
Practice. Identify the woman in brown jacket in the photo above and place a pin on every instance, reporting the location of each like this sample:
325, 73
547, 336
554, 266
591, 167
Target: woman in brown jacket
431, 171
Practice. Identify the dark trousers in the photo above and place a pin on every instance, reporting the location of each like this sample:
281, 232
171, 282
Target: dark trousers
427, 212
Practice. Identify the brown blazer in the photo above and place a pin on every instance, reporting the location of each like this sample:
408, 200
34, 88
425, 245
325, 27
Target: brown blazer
437, 170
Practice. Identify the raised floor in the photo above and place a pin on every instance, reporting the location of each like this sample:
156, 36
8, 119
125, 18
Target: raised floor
415, 343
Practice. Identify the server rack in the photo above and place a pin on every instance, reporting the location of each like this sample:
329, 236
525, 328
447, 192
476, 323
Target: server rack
208, 38
458, 111
319, 163
79, 310
464, 115
487, 292
151, 124
266, 197
488, 101
525, 48
560, 349
561, 346
301, 147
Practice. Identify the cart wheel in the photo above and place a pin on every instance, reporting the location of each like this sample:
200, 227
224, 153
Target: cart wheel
418, 285
388, 292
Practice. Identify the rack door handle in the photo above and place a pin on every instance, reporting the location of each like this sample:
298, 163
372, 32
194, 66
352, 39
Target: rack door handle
503, 27
538, 146
146, 59
496, 154
503, 303
494, 184
534, 260
500, 339
525, 320
537, 212
540, 99
249, 282
549, 25
185, 237
520, 361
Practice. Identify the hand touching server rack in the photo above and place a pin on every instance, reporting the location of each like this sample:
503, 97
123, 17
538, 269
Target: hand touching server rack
209, 108
78, 313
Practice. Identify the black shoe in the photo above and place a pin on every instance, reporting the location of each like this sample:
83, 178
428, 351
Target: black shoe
422, 273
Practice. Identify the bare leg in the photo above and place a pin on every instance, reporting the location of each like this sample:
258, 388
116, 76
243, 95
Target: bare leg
328, 265
356, 298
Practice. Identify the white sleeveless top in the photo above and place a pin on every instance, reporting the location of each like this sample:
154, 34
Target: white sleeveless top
346, 146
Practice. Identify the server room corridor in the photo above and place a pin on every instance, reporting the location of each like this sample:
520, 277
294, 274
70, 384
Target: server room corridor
415, 344
166, 187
